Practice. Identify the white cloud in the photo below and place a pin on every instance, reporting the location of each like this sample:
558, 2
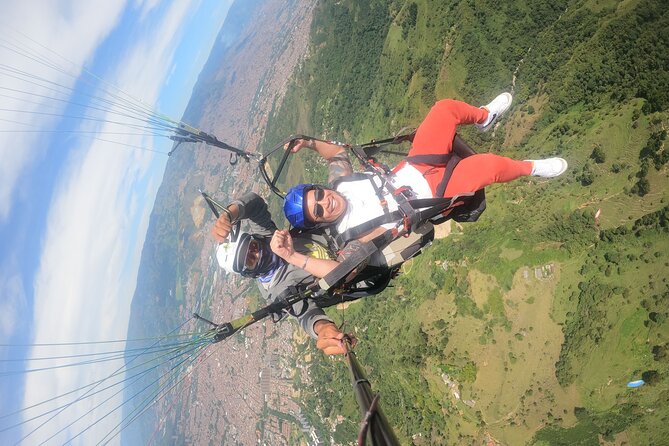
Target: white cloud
12, 303
73, 28
146, 6
150, 62
88, 270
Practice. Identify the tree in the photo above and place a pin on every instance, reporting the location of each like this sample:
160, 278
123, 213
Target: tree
651, 377
660, 351
587, 176
642, 187
598, 155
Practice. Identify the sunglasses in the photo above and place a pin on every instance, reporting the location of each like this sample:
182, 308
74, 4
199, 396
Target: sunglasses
319, 194
252, 255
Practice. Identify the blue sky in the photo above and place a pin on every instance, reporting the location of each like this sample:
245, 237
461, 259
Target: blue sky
74, 210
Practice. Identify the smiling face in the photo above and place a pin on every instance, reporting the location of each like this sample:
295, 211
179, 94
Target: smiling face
323, 205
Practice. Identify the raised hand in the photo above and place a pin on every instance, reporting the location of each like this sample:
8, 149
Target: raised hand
222, 228
224, 225
282, 244
299, 144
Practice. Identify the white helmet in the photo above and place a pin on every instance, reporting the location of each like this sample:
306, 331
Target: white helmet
233, 256
225, 254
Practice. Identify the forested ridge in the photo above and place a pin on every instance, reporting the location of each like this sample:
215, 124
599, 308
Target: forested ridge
540, 313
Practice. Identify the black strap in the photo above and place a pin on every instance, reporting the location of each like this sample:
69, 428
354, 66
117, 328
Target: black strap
373, 147
438, 159
435, 207
449, 160
436, 210
460, 150
357, 257
379, 192
444, 202
448, 172
363, 228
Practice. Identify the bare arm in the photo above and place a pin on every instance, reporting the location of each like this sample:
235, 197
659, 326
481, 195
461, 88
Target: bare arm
316, 267
339, 164
282, 245
325, 149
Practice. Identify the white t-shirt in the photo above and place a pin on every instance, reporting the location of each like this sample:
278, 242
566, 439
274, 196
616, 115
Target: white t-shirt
363, 203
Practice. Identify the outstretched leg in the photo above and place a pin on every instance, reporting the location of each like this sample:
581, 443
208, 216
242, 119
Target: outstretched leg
435, 134
478, 171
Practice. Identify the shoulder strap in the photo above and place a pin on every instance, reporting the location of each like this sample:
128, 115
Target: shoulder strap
362, 228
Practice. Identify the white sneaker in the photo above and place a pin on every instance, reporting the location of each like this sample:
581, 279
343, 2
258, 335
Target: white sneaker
496, 108
548, 168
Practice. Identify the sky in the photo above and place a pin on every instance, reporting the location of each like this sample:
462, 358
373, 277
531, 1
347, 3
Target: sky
76, 190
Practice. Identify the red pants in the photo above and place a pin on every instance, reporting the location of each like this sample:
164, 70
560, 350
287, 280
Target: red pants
435, 136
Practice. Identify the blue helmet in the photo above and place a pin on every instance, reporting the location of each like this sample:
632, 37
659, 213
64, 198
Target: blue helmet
293, 206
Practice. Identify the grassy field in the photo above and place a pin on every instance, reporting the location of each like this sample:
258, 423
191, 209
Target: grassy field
526, 326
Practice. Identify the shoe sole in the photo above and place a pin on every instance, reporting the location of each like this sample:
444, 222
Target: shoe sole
497, 115
565, 166
562, 170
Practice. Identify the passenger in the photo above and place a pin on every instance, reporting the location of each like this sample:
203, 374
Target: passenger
353, 202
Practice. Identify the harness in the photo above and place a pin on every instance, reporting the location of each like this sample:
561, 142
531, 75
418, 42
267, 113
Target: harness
412, 212
414, 222
343, 284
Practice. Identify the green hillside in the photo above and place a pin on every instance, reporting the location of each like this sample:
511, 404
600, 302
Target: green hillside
539, 314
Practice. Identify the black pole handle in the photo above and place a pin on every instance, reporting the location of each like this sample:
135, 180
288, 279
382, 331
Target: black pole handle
284, 158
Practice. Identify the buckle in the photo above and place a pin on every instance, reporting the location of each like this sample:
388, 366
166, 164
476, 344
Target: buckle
405, 192
407, 225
